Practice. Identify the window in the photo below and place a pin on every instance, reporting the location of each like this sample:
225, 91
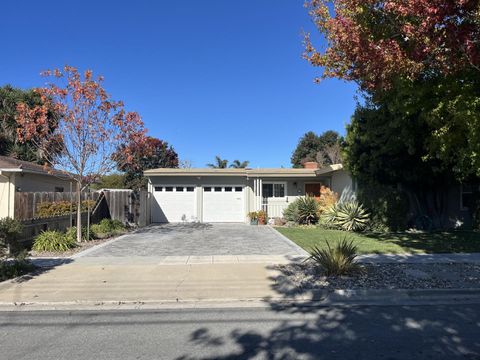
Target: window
238, 188
218, 188
207, 188
158, 188
228, 189
168, 188
190, 188
273, 190
179, 189
58, 189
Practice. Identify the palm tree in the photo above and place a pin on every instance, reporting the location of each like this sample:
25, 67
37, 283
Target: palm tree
219, 163
239, 165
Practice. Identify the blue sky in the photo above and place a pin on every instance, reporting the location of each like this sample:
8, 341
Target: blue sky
210, 77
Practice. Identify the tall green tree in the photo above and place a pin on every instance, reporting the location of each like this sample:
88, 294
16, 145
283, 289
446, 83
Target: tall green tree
219, 163
310, 144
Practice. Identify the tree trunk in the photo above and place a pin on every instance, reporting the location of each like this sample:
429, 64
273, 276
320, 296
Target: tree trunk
79, 211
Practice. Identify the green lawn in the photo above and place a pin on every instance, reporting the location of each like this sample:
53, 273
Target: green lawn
367, 243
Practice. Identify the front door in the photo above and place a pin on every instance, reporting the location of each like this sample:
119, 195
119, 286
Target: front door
313, 189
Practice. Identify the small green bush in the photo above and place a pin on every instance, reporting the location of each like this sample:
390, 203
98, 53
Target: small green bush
12, 269
71, 233
290, 214
307, 210
10, 229
52, 240
107, 228
303, 211
338, 260
347, 216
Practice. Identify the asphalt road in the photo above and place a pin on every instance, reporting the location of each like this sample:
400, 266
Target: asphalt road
367, 332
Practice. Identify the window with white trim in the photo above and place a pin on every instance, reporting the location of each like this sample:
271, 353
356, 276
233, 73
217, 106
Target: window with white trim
273, 190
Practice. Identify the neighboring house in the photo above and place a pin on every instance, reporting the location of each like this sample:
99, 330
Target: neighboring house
227, 195
24, 176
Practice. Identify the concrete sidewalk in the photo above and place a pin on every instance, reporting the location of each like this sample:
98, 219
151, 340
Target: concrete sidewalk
80, 282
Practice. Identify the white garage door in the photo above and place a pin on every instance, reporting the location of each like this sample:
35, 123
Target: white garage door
223, 204
174, 204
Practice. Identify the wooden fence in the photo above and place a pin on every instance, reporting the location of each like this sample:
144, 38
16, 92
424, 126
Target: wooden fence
127, 206
26, 203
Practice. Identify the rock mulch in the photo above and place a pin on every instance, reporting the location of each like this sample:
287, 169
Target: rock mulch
384, 276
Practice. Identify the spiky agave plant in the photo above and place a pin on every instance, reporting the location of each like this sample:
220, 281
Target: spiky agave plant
307, 210
329, 215
351, 216
336, 260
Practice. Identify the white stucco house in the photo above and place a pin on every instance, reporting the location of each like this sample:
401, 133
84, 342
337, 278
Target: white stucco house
228, 195
24, 176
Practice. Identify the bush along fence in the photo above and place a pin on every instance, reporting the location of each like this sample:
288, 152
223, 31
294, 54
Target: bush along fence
42, 211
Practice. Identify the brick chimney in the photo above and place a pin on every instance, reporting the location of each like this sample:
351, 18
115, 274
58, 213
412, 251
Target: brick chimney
310, 165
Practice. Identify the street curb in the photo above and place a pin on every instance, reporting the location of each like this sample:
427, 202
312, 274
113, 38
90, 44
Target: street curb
320, 298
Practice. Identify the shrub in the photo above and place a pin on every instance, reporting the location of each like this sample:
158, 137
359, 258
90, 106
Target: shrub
327, 199
52, 240
348, 216
107, 227
337, 260
12, 269
291, 212
307, 210
10, 229
71, 233
57, 208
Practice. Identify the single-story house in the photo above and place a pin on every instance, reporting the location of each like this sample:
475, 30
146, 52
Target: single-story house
228, 195
24, 176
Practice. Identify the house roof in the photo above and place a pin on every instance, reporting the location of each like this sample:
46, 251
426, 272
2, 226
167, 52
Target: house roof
264, 172
12, 165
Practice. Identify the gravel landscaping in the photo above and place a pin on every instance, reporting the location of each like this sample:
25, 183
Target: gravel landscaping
384, 276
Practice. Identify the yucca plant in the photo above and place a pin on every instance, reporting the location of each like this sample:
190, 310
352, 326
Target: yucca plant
54, 241
337, 260
329, 215
307, 210
351, 216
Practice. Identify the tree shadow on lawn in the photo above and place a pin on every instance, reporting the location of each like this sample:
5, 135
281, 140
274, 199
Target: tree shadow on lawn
432, 242
358, 332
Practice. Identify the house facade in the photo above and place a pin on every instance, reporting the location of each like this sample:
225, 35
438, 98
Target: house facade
228, 195
24, 176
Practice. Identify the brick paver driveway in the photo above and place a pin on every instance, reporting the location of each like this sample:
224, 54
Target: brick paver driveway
194, 239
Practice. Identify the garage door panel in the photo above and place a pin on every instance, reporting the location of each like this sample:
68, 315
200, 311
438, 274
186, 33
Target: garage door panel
223, 204
174, 204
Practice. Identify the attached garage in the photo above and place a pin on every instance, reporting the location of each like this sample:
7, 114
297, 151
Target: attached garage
223, 203
174, 203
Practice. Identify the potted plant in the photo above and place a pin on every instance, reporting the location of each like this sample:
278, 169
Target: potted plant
262, 217
253, 215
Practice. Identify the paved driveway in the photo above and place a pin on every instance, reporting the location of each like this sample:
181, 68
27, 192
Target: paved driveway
194, 239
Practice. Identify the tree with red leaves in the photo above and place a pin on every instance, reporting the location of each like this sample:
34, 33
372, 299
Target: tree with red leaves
373, 42
91, 126
150, 154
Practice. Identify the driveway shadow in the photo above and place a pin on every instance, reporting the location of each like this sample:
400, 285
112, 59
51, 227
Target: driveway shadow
183, 228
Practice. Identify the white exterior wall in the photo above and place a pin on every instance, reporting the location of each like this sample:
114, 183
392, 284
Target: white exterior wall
7, 195
295, 187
